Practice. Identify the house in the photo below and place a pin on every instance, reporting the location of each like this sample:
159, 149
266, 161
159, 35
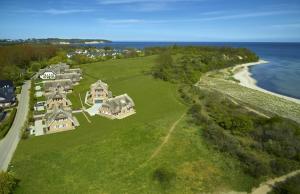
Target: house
60, 68
118, 107
63, 85
56, 69
59, 120
99, 92
7, 93
48, 75
74, 77
57, 100
75, 70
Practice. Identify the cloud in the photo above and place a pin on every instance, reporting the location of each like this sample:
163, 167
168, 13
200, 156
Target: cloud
293, 25
246, 15
56, 11
208, 16
110, 2
120, 21
145, 5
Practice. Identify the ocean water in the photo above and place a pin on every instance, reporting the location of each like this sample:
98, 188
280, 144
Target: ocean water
281, 75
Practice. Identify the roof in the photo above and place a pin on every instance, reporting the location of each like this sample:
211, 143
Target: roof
6, 83
71, 75
65, 83
7, 91
56, 68
56, 95
117, 103
100, 84
58, 114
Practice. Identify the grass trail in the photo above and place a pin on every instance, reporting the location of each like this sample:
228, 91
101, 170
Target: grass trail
159, 148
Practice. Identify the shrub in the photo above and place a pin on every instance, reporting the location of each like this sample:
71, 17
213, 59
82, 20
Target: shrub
280, 166
163, 177
6, 125
290, 186
8, 182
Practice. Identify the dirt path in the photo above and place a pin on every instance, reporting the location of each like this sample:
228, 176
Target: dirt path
159, 148
166, 139
266, 187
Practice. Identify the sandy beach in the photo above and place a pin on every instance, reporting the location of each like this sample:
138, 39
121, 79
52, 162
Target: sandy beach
243, 74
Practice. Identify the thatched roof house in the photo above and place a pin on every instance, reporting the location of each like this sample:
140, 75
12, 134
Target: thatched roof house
57, 100
74, 77
59, 120
61, 68
118, 107
99, 92
63, 85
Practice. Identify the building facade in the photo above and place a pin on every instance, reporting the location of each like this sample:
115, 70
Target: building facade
57, 100
99, 92
59, 120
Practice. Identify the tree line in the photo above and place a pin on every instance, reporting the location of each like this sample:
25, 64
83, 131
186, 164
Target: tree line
186, 64
19, 62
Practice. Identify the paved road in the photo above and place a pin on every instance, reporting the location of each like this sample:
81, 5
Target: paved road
9, 144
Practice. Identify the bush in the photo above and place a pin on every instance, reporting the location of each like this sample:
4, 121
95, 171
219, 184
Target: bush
279, 137
6, 125
8, 182
163, 177
252, 165
280, 166
290, 186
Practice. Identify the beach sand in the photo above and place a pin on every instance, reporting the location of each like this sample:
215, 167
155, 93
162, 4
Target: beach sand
243, 74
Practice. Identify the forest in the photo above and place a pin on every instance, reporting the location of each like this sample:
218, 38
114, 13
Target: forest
19, 62
186, 64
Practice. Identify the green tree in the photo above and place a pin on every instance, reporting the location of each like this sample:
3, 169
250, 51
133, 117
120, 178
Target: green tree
35, 66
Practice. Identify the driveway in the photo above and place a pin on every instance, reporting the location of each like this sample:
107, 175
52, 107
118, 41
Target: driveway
9, 144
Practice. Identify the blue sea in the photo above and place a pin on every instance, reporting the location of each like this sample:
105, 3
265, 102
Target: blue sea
281, 75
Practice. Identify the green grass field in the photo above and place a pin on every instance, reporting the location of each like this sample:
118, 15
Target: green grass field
104, 156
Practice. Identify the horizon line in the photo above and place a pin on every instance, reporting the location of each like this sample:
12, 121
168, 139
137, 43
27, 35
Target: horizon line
165, 41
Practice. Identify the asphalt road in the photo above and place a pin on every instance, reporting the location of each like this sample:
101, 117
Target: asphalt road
9, 144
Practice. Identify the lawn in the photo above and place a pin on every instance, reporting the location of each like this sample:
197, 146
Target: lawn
105, 156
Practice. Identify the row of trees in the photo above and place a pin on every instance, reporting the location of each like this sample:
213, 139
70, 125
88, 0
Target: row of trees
18, 62
186, 64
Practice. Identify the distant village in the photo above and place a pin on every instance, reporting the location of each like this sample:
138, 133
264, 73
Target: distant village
94, 53
54, 83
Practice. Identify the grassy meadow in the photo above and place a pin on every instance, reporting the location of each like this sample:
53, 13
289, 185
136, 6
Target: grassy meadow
110, 156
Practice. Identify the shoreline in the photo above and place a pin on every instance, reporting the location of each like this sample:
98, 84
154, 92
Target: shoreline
242, 73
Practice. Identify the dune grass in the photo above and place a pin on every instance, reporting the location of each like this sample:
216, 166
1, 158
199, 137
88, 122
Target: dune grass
257, 99
103, 156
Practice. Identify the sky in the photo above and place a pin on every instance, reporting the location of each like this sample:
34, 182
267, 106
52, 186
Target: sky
153, 20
